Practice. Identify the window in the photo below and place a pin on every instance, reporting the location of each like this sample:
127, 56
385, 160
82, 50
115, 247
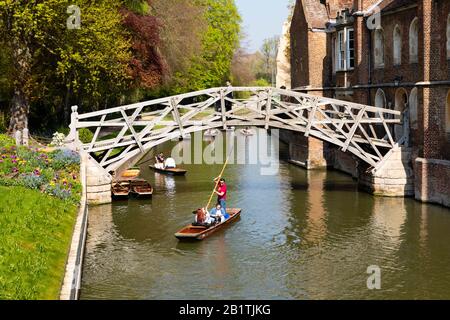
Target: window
413, 109
345, 49
397, 36
379, 48
414, 41
380, 99
340, 51
448, 37
350, 48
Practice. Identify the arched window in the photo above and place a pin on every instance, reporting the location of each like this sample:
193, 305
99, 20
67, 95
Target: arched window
448, 37
397, 36
413, 109
414, 41
447, 114
380, 99
401, 99
379, 48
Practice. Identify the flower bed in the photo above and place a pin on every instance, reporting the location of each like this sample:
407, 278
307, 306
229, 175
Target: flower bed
54, 173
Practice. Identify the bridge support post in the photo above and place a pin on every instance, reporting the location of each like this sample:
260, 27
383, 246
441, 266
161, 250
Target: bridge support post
395, 177
73, 140
98, 181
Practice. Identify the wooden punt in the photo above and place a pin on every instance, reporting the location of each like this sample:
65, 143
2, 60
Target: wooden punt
172, 171
131, 173
191, 232
141, 188
120, 189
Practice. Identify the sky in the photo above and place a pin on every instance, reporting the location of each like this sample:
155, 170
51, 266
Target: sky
261, 19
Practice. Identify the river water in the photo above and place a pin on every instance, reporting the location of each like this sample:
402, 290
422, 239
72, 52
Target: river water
302, 235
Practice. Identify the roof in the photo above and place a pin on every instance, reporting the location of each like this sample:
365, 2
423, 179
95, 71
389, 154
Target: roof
395, 4
315, 13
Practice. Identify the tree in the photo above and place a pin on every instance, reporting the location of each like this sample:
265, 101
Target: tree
48, 58
212, 66
269, 50
146, 66
182, 24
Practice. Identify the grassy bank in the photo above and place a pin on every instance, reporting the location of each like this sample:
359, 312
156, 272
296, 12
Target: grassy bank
39, 196
35, 234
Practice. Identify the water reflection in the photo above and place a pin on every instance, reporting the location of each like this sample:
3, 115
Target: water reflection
302, 235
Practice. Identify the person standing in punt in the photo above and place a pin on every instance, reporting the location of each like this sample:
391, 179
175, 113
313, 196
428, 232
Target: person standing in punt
221, 192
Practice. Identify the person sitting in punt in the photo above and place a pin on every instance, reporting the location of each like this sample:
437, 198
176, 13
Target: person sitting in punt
219, 213
170, 163
202, 218
159, 161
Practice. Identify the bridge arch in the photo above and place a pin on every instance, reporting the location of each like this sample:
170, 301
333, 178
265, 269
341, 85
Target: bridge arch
125, 132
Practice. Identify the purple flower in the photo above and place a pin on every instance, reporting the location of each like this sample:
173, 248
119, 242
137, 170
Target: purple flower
37, 172
15, 170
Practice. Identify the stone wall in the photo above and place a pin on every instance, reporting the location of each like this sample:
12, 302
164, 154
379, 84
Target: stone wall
98, 183
304, 151
432, 181
394, 179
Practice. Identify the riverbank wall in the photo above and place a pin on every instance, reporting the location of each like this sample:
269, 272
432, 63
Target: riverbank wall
401, 174
70, 288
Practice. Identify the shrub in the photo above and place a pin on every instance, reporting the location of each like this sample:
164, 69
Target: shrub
3, 122
64, 158
85, 135
58, 191
6, 141
58, 139
32, 181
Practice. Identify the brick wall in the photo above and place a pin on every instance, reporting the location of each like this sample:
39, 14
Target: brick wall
433, 181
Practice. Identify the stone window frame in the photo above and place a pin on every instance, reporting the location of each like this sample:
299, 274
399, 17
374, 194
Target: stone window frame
379, 61
414, 36
397, 45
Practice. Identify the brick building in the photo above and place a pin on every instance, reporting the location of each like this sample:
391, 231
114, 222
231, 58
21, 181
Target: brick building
388, 53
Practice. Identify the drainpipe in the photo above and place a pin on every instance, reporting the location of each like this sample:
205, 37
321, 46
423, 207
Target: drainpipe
369, 99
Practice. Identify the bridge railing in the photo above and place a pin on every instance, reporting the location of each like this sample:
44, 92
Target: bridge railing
123, 132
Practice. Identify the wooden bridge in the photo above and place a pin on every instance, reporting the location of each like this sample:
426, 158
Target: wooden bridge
124, 132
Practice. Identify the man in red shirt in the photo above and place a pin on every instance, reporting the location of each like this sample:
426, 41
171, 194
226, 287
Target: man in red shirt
221, 193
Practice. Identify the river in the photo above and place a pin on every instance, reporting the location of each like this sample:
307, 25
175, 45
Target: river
302, 235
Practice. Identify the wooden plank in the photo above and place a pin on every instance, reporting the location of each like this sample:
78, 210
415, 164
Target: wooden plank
176, 115
353, 129
312, 115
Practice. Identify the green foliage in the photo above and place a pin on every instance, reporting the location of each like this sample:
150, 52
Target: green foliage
138, 6
261, 83
3, 125
211, 67
35, 234
85, 135
86, 66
